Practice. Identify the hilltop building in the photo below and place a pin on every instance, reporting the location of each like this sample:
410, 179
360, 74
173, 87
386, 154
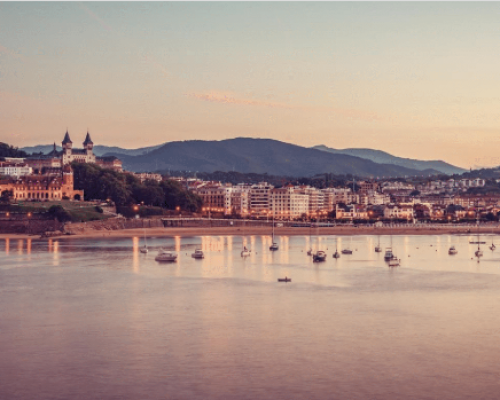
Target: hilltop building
58, 159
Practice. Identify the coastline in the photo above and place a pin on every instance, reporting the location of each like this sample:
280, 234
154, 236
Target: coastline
260, 230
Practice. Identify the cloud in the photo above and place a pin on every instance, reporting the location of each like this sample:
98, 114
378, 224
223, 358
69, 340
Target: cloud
217, 97
9, 52
229, 98
150, 59
95, 17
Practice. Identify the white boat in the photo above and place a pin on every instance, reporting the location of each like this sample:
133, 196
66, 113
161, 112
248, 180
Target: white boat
452, 250
390, 256
274, 246
166, 255
245, 252
198, 254
319, 256
394, 262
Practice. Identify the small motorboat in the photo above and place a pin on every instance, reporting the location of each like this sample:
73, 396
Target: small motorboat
144, 249
319, 256
166, 255
478, 253
493, 247
452, 250
394, 262
378, 249
274, 247
336, 254
285, 279
346, 251
309, 252
198, 254
388, 255
245, 252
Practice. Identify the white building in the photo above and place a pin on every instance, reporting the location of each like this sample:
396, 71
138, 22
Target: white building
14, 169
288, 202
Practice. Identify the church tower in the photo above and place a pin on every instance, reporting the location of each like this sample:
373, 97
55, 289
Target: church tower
67, 145
88, 144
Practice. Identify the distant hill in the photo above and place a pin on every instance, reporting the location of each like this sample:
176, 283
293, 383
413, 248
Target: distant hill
258, 156
381, 157
98, 150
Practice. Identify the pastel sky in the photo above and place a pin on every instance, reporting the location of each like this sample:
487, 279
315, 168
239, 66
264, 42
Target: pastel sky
419, 80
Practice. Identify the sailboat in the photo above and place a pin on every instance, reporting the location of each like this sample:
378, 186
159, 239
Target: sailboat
348, 249
319, 255
245, 252
310, 251
274, 246
144, 249
479, 252
492, 247
390, 257
378, 249
336, 254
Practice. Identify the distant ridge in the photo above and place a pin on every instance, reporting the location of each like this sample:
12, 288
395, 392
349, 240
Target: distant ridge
265, 156
381, 157
98, 149
260, 156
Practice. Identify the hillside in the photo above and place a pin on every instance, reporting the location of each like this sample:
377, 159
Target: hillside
257, 156
381, 157
98, 150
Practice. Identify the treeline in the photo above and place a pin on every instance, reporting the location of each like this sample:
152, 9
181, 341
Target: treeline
319, 181
11, 151
125, 189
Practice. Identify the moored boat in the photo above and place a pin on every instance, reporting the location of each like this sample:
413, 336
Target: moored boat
394, 262
452, 250
245, 252
198, 254
319, 256
166, 255
285, 279
336, 254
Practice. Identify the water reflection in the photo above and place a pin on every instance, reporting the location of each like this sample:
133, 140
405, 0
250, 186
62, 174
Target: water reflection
179, 327
135, 254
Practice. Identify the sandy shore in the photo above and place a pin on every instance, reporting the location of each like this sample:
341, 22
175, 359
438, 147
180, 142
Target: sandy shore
237, 231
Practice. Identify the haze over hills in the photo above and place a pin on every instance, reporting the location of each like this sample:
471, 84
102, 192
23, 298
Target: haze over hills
381, 157
98, 149
259, 156
265, 156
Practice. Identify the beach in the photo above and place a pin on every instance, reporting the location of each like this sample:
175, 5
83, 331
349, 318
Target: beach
262, 230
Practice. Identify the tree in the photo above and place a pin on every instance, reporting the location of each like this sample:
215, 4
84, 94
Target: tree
6, 196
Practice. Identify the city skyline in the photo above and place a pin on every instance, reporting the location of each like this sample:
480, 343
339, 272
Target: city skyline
415, 80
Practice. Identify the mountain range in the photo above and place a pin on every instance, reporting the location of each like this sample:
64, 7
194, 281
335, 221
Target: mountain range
381, 157
265, 156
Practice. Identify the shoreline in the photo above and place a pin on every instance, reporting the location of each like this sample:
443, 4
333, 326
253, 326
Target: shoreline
266, 231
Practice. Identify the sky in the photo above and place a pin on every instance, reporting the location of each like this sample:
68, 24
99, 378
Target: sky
418, 80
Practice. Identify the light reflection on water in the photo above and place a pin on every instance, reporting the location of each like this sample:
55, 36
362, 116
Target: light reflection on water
97, 319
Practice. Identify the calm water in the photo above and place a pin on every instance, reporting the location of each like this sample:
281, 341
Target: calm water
96, 319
